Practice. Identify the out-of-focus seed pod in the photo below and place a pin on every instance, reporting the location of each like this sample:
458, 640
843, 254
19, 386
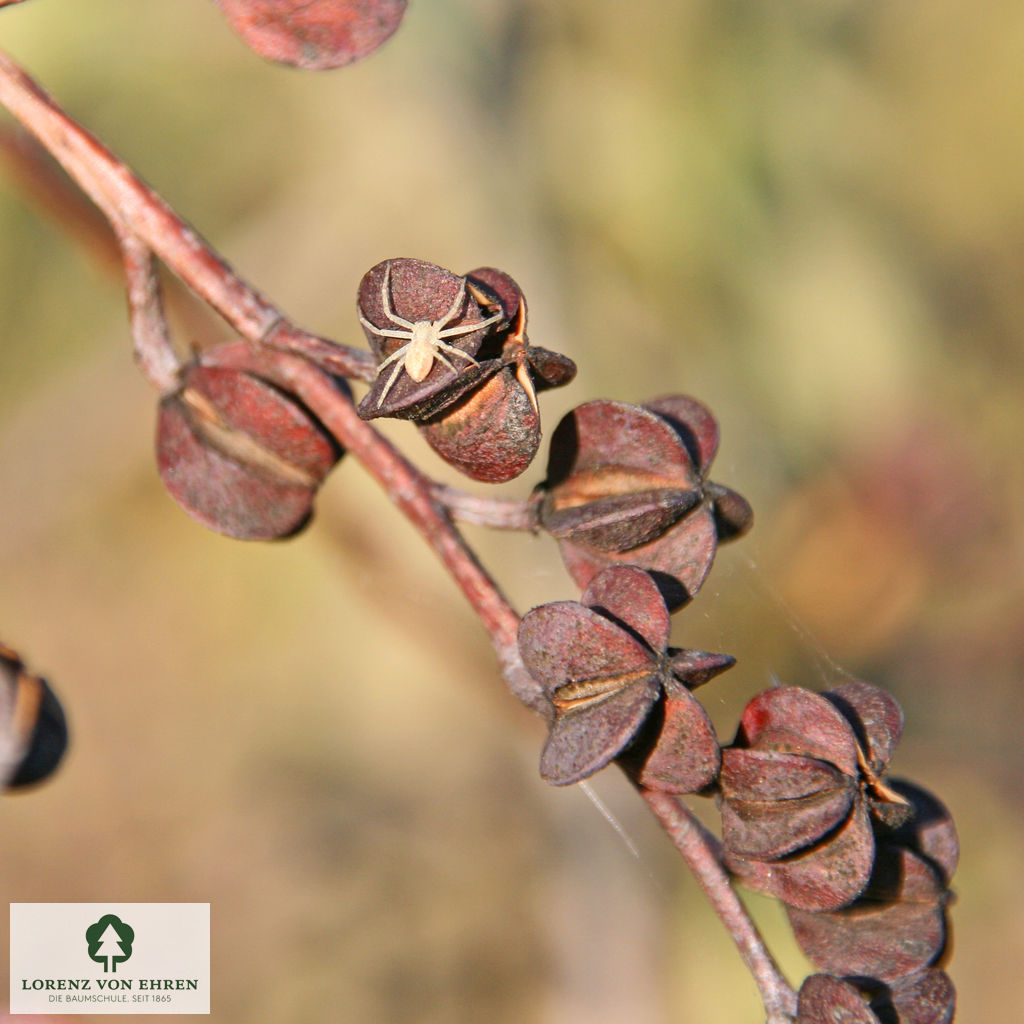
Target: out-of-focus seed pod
240, 455
33, 729
313, 34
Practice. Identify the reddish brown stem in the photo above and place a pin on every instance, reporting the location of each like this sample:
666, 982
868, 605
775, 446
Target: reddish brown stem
700, 851
134, 208
411, 491
154, 354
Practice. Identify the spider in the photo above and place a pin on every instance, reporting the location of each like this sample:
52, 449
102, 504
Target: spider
425, 337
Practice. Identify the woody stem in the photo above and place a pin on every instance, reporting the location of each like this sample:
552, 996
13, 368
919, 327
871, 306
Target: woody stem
700, 851
134, 208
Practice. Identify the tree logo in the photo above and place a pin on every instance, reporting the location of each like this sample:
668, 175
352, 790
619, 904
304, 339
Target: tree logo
110, 941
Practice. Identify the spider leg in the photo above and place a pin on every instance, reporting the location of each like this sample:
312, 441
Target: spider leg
383, 333
391, 380
385, 301
467, 328
391, 358
455, 307
441, 358
442, 347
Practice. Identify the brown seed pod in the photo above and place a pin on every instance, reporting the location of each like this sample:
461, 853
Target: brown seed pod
426, 328
927, 997
894, 929
801, 787
240, 455
454, 358
617, 690
492, 434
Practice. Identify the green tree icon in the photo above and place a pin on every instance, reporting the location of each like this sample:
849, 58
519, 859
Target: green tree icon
110, 941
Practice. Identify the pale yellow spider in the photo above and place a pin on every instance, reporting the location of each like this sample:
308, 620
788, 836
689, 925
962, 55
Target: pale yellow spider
425, 342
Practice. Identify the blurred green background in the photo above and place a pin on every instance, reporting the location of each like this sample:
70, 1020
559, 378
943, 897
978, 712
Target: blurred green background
810, 216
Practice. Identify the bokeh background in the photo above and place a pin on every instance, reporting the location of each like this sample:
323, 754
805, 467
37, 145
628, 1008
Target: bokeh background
809, 215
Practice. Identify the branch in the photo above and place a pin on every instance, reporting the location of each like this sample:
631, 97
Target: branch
154, 353
135, 209
410, 490
498, 513
147, 227
700, 851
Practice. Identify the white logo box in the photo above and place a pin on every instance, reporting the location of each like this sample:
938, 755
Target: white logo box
137, 958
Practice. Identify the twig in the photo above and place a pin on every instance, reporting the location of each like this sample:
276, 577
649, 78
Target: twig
497, 513
700, 851
134, 208
154, 353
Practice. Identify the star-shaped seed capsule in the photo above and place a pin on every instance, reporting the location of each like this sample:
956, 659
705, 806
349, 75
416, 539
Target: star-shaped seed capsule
618, 690
801, 788
454, 357
628, 484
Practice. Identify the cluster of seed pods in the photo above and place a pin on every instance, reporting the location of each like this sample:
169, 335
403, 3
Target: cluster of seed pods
862, 862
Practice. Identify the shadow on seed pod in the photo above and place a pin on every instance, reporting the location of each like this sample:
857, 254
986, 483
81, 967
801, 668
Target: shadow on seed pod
313, 34
33, 729
241, 455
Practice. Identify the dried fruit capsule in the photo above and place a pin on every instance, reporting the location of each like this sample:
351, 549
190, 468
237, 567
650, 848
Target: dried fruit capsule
617, 690
33, 729
426, 328
803, 792
627, 484
454, 358
240, 455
